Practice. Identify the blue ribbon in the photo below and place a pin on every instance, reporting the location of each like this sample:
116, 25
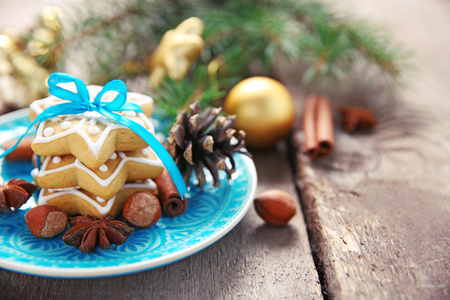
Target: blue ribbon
80, 102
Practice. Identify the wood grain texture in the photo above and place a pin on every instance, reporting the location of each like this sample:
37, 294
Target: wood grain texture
253, 261
378, 210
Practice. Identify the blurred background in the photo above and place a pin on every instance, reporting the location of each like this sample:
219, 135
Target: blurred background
158, 48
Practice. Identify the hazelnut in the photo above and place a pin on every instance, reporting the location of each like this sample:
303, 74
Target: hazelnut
276, 207
46, 221
142, 209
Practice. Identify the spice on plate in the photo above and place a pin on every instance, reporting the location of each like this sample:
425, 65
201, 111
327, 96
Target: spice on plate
89, 232
172, 203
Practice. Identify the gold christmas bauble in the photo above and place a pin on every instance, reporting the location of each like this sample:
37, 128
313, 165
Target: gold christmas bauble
264, 109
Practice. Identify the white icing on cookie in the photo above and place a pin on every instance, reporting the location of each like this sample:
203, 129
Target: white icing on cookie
48, 102
54, 194
96, 146
100, 200
65, 125
130, 113
140, 122
144, 184
93, 130
92, 115
149, 184
48, 131
34, 173
56, 159
102, 182
113, 156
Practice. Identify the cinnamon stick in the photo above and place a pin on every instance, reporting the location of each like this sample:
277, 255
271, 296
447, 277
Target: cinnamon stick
324, 126
309, 127
318, 127
23, 150
172, 203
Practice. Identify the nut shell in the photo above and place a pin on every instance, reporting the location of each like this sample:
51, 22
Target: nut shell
275, 207
46, 221
142, 209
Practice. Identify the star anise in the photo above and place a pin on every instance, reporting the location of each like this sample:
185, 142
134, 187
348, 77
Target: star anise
15, 193
357, 118
89, 232
204, 140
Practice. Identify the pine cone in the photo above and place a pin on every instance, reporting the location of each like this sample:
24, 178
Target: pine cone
200, 140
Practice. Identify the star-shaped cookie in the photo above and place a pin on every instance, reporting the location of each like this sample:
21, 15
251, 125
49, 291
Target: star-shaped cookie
67, 171
89, 136
76, 201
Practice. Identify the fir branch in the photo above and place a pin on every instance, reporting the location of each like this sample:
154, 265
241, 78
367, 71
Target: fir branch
247, 30
242, 31
118, 43
174, 96
333, 48
376, 47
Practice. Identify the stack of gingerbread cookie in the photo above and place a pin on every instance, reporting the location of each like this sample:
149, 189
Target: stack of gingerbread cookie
89, 164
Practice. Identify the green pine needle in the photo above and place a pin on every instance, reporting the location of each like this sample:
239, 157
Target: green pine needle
174, 96
243, 32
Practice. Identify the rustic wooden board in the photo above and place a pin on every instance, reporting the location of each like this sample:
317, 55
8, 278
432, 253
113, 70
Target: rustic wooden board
378, 210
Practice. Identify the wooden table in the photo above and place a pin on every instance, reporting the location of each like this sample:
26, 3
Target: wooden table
377, 211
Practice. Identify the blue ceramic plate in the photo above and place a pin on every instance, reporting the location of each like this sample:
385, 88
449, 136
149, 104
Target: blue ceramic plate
209, 216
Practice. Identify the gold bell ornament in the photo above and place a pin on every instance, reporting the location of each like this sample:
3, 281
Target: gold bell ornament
264, 109
176, 52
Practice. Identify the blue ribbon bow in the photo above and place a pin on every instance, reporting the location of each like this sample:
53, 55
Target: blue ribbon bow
80, 102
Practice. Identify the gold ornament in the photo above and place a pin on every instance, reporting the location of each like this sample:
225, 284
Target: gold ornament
178, 49
264, 109
22, 79
51, 16
46, 38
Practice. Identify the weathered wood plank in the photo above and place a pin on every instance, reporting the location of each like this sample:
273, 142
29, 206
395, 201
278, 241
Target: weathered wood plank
378, 210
